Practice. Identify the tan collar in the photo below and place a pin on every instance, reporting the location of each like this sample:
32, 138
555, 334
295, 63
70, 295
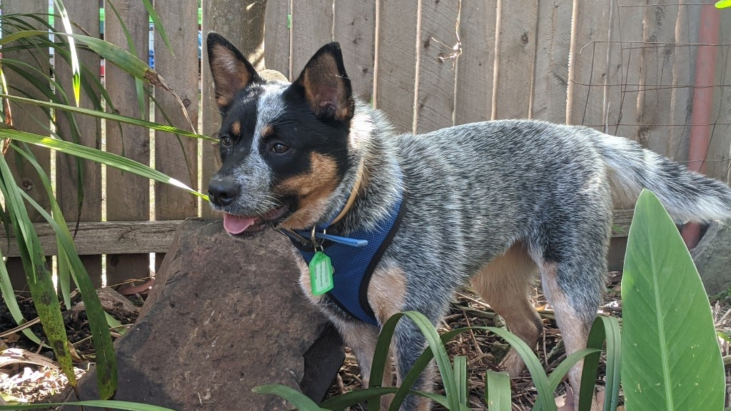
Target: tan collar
353, 194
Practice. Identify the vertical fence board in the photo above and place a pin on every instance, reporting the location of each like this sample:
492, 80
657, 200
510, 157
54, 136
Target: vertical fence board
686, 29
225, 17
177, 156
312, 27
588, 69
628, 32
435, 103
717, 160
276, 36
396, 55
475, 66
90, 135
515, 45
654, 105
355, 29
128, 196
550, 82
24, 118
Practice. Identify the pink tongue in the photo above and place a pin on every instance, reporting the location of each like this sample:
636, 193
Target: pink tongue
236, 224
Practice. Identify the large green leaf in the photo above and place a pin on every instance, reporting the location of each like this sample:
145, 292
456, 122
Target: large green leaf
113, 405
92, 154
670, 358
497, 391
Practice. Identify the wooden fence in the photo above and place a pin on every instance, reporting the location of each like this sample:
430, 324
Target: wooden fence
623, 66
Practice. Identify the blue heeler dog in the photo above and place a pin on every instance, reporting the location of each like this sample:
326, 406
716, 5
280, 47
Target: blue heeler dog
493, 203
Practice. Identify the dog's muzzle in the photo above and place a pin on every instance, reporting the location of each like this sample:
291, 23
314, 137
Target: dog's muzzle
222, 192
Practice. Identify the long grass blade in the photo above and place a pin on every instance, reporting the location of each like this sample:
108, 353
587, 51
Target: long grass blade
296, 398
460, 378
158, 25
435, 345
76, 81
106, 363
109, 404
37, 274
109, 116
497, 391
349, 399
6, 287
99, 156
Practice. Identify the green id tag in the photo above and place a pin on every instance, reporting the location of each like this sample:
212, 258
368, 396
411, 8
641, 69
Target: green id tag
321, 274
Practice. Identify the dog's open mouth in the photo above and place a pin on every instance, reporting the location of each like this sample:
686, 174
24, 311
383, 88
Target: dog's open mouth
242, 225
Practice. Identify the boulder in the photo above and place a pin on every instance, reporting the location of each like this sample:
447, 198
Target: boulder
223, 317
712, 257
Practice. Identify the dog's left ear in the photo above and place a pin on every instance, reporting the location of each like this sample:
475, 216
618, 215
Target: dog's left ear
230, 70
326, 86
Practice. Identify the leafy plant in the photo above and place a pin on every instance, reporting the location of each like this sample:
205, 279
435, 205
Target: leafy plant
668, 355
26, 33
671, 359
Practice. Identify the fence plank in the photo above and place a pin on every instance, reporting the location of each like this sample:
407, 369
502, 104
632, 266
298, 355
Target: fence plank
355, 29
67, 171
128, 196
657, 60
550, 82
312, 27
475, 66
276, 36
177, 156
225, 17
627, 32
719, 147
435, 102
395, 56
516, 48
110, 237
24, 118
686, 29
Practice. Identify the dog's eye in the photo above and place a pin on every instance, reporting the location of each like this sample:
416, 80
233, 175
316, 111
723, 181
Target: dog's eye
226, 141
279, 148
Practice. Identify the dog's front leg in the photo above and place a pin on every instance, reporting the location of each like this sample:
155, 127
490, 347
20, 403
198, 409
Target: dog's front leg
362, 339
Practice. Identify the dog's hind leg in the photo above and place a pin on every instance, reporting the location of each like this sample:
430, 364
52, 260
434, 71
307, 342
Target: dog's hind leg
504, 284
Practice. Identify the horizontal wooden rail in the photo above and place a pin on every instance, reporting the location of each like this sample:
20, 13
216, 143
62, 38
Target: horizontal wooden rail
108, 237
139, 237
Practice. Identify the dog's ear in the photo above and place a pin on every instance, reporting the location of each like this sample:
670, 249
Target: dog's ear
326, 86
230, 69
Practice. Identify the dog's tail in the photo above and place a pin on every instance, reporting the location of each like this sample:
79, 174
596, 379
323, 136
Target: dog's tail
688, 196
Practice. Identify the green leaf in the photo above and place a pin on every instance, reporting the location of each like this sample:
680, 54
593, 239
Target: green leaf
354, 397
670, 358
6, 287
76, 81
92, 154
158, 25
296, 398
36, 271
497, 391
460, 377
114, 405
106, 364
109, 116
435, 345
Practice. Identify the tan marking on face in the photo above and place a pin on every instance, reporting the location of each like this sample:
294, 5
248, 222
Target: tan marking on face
504, 284
267, 131
236, 128
312, 190
387, 292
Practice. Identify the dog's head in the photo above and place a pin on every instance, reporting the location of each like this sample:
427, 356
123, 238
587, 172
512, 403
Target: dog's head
284, 147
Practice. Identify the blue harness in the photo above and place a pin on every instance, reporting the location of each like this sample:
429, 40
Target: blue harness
354, 259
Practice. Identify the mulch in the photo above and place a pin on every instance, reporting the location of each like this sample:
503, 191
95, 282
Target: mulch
29, 379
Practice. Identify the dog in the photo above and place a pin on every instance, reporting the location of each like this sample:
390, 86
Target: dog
492, 203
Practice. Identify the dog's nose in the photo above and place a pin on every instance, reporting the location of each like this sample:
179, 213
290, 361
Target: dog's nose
222, 192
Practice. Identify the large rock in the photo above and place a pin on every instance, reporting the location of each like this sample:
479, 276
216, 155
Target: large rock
712, 257
224, 316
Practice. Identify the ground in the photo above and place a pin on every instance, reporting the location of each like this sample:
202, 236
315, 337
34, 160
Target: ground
28, 374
